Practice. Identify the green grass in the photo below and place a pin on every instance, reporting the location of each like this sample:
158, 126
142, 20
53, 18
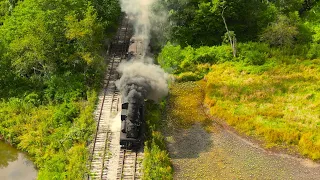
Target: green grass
279, 103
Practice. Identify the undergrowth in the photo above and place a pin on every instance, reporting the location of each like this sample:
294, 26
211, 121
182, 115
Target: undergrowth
54, 135
279, 104
156, 162
185, 105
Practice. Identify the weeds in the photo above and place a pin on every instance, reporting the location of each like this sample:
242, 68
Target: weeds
156, 162
279, 105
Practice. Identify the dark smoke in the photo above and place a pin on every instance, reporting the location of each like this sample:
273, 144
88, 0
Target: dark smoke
140, 78
141, 81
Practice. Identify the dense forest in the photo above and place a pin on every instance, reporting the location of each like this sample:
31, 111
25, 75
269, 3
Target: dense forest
258, 61
51, 65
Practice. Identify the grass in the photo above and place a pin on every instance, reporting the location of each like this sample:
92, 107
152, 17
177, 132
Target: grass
185, 105
279, 104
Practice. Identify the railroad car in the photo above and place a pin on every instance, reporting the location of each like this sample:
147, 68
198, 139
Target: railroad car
136, 49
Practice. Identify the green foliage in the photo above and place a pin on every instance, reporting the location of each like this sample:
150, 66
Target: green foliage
108, 10
314, 51
253, 53
199, 22
289, 5
156, 162
54, 136
176, 60
50, 64
312, 22
66, 87
280, 33
44, 38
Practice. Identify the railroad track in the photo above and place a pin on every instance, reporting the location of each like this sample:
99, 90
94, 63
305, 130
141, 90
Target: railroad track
105, 147
130, 163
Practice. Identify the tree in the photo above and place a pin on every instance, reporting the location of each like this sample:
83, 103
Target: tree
230, 34
199, 22
281, 32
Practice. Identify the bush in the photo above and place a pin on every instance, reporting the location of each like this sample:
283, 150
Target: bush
170, 58
176, 60
214, 54
253, 53
188, 76
314, 51
156, 162
283, 32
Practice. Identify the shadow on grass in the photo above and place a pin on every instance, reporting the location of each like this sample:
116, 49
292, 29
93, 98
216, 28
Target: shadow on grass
186, 128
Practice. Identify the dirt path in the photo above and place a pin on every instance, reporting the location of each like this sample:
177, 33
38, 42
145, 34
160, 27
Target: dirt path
222, 154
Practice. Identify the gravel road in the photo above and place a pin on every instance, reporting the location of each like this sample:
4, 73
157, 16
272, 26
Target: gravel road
223, 154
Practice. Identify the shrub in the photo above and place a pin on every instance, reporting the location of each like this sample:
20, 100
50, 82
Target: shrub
176, 60
188, 76
314, 51
170, 58
253, 53
282, 32
156, 162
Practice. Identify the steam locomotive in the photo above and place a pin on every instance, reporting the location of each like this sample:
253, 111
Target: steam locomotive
132, 125
132, 113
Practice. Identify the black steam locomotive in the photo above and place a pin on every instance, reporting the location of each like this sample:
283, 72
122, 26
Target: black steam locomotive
132, 113
132, 125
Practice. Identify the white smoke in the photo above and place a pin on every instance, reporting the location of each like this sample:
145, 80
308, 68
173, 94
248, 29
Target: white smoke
139, 11
141, 78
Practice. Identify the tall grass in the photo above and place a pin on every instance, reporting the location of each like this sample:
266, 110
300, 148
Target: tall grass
185, 105
280, 104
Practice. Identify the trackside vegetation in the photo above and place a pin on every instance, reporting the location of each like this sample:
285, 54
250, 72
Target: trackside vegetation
50, 71
260, 67
156, 162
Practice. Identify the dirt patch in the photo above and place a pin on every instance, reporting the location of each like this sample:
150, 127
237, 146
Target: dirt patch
197, 154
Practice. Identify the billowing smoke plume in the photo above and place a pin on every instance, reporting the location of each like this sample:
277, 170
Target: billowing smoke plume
140, 77
140, 80
140, 13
